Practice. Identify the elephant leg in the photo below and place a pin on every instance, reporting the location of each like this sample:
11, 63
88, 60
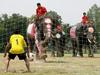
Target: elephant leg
37, 53
53, 53
80, 43
90, 54
59, 49
80, 50
74, 53
43, 54
62, 52
74, 48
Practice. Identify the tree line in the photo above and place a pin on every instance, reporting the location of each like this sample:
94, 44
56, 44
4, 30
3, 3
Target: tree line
9, 23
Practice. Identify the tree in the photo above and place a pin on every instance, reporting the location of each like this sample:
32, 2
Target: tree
94, 14
55, 17
8, 24
32, 18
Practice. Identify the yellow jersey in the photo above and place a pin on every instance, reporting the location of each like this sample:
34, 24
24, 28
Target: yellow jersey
17, 44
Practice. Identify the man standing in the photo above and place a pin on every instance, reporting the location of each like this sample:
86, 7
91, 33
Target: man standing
16, 47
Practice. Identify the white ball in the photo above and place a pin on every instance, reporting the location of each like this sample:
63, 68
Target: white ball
58, 35
31, 56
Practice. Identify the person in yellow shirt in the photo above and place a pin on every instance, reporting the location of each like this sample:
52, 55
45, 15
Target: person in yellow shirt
16, 47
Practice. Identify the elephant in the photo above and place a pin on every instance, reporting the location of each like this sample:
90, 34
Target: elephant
39, 33
81, 38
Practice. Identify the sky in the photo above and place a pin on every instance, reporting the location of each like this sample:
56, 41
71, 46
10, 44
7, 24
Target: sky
70, 10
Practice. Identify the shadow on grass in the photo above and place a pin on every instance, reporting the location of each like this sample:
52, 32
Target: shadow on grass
19, 71
28, 72
56, 62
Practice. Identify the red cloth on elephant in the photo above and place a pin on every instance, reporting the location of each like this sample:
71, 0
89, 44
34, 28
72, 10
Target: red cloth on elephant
33, 31
59, 28
73, 32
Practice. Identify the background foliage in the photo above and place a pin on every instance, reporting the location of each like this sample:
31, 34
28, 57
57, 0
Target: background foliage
9, 23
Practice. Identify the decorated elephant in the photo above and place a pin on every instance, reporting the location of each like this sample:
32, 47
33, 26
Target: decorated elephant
39, 33
82, 36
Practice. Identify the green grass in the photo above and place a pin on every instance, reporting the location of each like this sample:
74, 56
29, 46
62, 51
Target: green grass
66, 65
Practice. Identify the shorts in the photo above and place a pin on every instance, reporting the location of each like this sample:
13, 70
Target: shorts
20, 56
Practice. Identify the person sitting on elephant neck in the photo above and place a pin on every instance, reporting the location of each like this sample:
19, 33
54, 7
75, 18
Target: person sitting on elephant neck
40, 12
84, 19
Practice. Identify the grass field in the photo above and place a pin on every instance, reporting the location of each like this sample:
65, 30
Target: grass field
66, 65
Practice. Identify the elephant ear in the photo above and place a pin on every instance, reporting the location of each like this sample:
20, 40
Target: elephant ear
73, 32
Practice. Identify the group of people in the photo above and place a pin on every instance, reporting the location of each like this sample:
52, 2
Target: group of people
17, 46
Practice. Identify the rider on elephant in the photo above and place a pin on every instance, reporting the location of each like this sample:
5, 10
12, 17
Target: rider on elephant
40, 12
84, 19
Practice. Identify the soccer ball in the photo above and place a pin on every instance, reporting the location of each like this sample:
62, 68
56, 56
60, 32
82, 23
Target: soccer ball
31, 56
58, 35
